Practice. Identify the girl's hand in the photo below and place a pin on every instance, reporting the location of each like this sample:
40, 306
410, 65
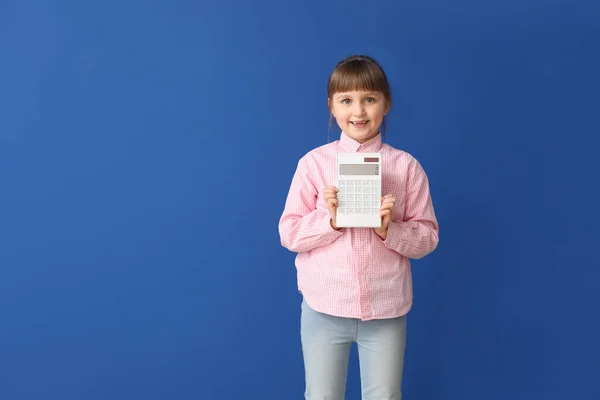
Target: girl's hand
330, 197
387, 208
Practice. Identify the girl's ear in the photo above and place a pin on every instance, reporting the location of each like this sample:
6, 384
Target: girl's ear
330, 107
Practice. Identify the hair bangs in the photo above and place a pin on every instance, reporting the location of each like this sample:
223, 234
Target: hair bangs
358, 75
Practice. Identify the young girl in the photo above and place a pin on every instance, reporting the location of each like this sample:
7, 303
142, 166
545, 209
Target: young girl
356, 282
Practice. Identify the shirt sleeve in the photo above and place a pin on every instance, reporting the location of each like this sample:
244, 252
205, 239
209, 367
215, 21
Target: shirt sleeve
416, 234
303, 227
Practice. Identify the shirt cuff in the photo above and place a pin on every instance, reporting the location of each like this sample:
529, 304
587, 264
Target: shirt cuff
326, 225
392, 239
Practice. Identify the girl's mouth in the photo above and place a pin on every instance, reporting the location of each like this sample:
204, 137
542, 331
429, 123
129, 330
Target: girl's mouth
359, 124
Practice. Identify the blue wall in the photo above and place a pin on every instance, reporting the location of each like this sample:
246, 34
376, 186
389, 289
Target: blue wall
146, 150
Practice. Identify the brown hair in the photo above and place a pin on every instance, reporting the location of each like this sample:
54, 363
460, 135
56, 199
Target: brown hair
358, 72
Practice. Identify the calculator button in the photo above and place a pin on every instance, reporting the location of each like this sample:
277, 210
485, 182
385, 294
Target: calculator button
358, 204
351, 197
358, 196
358, 211
367, 189
359, 183
375, 204
342, 190
350, 190
342, 197
368, 183
375, 197
359, 189
350, 204
342, 183
349, 183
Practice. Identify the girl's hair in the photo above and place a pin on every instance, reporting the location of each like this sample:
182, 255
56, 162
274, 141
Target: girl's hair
358, 72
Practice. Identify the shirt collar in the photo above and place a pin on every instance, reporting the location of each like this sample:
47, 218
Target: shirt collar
349, 145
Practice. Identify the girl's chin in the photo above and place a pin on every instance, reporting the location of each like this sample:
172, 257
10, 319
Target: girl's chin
361, 135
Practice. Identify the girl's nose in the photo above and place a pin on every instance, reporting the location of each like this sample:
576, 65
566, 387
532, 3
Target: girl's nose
359, 109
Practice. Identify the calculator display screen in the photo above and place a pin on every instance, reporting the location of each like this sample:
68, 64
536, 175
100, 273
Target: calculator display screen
359, 169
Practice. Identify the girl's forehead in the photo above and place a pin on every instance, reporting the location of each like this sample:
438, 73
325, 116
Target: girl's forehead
356, 93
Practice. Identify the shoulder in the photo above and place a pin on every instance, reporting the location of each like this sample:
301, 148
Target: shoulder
314, 156
398, 155
403, 161
314, 161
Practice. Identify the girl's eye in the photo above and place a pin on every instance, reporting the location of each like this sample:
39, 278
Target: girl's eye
370, 100
346, 101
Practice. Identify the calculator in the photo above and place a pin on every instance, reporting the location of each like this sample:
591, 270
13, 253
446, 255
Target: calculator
359, 190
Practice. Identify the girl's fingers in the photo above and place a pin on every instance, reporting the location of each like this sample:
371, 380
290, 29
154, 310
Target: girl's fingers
388, 202
388, 205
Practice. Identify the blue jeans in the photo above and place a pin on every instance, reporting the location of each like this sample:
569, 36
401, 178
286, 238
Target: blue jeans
326, 342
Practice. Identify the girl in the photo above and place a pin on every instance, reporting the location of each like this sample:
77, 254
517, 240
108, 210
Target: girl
356, 282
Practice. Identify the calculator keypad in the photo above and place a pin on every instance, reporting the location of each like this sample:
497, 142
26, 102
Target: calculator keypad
359, 197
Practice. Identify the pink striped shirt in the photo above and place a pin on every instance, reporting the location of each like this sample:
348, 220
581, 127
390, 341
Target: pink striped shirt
353, 273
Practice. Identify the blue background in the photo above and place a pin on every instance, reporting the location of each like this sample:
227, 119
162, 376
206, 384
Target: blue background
146, 149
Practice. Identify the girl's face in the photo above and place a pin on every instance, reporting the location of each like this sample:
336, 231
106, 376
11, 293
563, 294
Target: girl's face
359, 114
